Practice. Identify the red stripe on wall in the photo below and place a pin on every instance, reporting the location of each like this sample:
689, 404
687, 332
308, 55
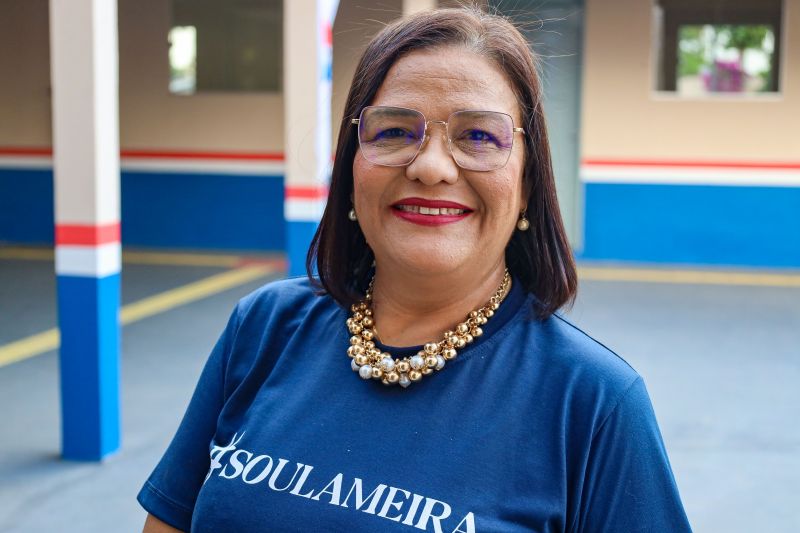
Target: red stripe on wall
87, 235
157, 154
240, 156
690, 164
24, 151
306, 193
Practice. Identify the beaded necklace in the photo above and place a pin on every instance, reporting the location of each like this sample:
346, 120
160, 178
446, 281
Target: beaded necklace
372, 363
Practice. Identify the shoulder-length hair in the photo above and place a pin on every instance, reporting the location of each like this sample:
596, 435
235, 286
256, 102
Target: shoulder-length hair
540, 258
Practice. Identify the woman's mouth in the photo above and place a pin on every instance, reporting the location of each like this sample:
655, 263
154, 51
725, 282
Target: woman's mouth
430, 212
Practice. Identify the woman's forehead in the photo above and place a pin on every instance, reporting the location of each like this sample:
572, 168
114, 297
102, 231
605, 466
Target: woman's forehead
443, 80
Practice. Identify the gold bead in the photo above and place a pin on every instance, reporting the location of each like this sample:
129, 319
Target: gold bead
462, 328
362, 306
358, 317
355, 350
369, 345
415, 375
483, 320
367, 322
495, 306
425, 371
473, 314
468, 338
361, 360
367, 312
377, 373
448, 333
393, 377
488, 313
477, 332
430, 361
385, 382
449, 353
461, 342
452, 340
355, 329
367, 334
403, 367
356, 339
355, 308
431, 348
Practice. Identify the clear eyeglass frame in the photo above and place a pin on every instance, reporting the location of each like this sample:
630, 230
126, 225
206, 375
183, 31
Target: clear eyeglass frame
425, 137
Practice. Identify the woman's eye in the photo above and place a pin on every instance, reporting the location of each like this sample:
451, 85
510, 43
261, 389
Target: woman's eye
392, 133
478, 136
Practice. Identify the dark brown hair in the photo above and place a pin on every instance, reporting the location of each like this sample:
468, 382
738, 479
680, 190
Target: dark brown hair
540, 258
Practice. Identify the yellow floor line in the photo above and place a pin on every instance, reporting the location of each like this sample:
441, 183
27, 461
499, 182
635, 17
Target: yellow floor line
700, 277
27, 254
191, 292
49, 340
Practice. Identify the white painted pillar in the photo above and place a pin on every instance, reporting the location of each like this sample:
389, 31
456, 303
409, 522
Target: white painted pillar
83, 52
412, 6
307, 72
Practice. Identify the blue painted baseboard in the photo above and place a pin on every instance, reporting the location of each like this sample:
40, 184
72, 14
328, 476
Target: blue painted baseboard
693, 224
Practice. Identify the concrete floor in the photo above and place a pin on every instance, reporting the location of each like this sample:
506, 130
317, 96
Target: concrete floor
722, 364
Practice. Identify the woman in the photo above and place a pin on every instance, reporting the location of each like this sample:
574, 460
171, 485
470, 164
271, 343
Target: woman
443, 259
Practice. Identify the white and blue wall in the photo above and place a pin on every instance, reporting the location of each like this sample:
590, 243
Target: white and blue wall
711, 181
704, 181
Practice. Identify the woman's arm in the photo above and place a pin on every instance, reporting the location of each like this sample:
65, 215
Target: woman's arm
154, 525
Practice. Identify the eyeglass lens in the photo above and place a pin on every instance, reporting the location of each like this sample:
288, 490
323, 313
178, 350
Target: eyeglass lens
478, 140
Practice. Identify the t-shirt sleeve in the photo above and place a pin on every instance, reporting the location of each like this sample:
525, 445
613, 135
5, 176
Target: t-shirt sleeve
629, 485
170, 492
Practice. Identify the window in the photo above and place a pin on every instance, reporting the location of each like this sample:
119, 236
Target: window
723, 46
226, 45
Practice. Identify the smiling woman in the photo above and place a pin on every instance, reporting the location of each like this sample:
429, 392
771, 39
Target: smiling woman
479, 408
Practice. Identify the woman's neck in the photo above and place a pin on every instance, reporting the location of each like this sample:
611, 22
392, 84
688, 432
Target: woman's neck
411, 309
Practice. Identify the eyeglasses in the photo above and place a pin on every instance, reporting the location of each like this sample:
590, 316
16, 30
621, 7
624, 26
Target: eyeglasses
394, 136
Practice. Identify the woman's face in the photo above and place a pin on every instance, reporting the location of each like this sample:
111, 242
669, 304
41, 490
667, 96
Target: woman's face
438, 82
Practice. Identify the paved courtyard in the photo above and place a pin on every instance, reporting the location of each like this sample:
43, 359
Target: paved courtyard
722, 363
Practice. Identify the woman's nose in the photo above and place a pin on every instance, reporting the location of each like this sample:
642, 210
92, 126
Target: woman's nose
434, 163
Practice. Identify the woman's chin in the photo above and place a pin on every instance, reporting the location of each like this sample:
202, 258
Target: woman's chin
423, 261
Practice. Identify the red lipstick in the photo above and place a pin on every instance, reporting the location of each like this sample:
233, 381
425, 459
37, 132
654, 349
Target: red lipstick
429, 212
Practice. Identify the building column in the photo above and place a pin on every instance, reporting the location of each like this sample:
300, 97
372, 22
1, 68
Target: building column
83, 52
412, 6
307, 71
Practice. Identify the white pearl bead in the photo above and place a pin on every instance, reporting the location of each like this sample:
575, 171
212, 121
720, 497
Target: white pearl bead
365, 371
417, 362
354, 365
439, 362
404, 381
387, 364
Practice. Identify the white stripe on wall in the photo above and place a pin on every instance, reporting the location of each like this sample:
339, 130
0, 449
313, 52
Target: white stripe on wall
177, 166
750, 177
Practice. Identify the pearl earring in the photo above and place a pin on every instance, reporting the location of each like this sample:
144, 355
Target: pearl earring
522, 223
352, 215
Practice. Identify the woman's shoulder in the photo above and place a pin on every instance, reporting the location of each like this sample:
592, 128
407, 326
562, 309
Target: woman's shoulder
293, 294
585, 368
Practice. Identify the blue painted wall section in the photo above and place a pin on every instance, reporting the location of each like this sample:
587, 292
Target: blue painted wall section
298, 236
170, 210
89, 359
26, 206
694, 224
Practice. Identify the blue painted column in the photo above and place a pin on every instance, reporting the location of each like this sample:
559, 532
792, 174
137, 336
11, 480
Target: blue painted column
83, 51
308, 60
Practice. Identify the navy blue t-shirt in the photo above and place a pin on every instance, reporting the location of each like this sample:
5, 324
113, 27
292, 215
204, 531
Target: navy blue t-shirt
534, 427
